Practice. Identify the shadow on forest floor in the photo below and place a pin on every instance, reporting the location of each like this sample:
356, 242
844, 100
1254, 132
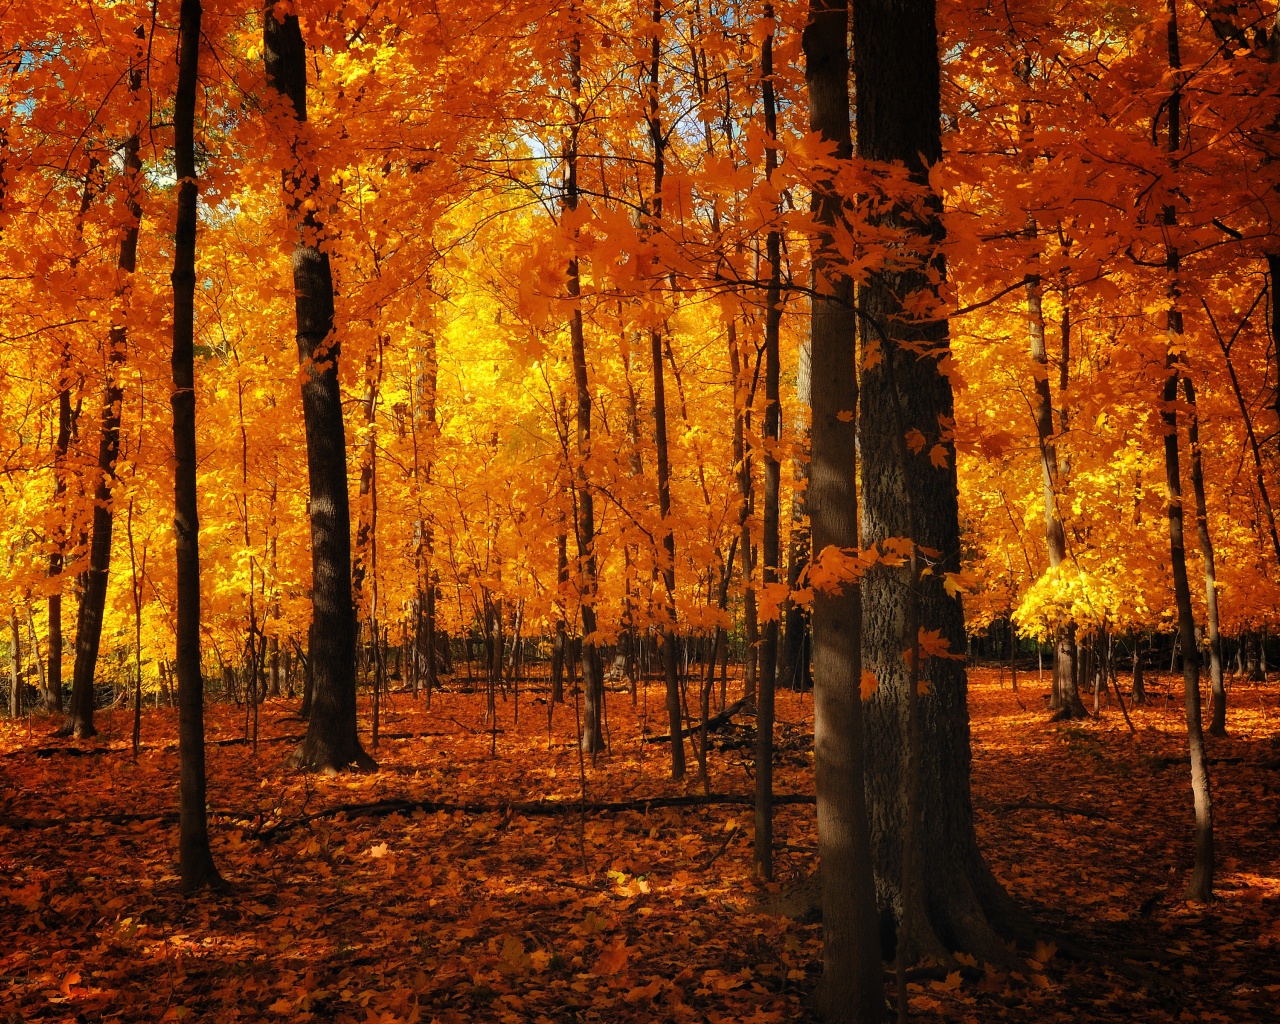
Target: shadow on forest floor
618, 916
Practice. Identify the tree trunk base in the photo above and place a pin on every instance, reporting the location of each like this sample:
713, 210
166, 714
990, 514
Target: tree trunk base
315, 756
1069, 712
969, 914
76, 728
205, 878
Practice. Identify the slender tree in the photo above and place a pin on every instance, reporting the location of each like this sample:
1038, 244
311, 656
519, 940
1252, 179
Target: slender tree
1218, 718
1200, 885
93, 598
670, 654
772, 480
592, 670
195, 859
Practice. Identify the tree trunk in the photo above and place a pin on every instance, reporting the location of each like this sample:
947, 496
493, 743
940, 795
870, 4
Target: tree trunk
15, 668
1066, 696
669, 651
1218, 720
93, 597
794, 669
560, 649
195, 860
769, 543
592, 669
66, 423
1138, 689
1200, 886
331, 742
898, 119
742, 459
852, 987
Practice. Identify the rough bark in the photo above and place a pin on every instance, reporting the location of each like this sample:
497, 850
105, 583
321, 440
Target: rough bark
898, 119
331, 742
852, 985
195, 859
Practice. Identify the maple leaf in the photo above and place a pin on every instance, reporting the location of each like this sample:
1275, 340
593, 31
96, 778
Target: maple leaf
916, 441
612, 960
869, 684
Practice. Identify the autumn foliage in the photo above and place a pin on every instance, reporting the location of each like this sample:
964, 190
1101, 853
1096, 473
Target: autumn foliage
536, 290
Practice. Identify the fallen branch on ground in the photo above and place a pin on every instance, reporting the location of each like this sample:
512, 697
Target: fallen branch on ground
530, 808
380, 808
717, 721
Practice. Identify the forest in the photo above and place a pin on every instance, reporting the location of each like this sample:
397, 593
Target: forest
640, 510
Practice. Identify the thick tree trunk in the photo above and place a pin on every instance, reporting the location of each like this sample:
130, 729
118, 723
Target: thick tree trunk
852, 987
331, 742
898, 119
195, 860
1218, 720
1200, 886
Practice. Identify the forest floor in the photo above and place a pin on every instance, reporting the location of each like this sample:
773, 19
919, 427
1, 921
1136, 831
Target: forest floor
632, 915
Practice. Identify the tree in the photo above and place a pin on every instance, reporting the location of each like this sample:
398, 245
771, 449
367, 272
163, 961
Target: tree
195, 860
773, 434
331, 742
1200, 885
852, 987
898, 120
93, 596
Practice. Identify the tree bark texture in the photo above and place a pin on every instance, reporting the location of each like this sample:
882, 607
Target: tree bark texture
898, 119
852, 987
331, 742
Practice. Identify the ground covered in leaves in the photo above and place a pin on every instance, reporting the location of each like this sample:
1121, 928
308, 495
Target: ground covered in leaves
616, 915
